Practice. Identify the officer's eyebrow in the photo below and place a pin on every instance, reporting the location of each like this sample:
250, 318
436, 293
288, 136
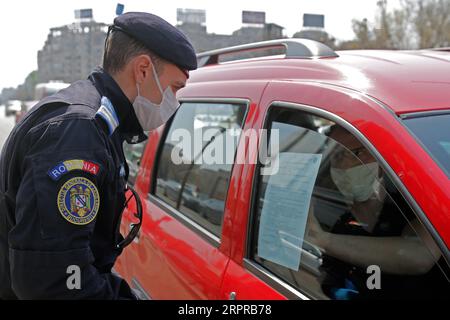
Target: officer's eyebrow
180, 84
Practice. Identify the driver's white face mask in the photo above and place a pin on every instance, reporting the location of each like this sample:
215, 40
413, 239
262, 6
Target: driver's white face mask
151, 115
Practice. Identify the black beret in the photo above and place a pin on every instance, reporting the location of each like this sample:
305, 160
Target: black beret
159, 36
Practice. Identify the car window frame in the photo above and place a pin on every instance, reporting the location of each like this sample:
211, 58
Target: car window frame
425, 114
135, 177
177, 214
269, 277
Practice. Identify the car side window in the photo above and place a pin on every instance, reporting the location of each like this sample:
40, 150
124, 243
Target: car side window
133, 155
196, 160
332, 224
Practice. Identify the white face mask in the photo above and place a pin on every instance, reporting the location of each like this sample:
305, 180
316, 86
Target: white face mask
357, 183
151, 115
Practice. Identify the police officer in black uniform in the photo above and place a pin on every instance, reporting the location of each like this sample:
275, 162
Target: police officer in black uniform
63, 172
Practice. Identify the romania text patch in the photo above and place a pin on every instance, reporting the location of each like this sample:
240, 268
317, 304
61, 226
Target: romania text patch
65, 167
78, 201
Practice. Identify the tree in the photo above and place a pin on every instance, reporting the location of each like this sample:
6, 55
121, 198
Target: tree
432, 22
415, 24
383, 38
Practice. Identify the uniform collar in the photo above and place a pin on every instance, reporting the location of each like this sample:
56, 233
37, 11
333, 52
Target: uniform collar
129, 126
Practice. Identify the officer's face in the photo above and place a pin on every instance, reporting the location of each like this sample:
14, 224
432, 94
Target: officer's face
346, 159
169, 76
172, 76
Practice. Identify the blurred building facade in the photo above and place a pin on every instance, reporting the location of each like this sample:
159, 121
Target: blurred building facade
192, 23
314, 29
72, 51
203, 41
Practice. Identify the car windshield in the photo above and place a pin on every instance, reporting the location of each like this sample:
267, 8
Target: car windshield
433, 131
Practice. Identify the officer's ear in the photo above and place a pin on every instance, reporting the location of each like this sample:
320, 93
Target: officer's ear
142, 68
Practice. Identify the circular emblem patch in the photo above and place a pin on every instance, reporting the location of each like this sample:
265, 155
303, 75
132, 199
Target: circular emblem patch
78, 201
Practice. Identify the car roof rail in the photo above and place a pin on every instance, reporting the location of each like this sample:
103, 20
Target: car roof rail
444, 49
295, 48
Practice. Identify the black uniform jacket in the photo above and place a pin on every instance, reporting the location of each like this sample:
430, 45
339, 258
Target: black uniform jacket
62, 192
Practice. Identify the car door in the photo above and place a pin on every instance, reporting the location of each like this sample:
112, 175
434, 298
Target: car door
183, 247
277, 254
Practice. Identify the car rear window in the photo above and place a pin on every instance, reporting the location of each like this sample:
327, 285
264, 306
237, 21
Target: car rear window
433, 131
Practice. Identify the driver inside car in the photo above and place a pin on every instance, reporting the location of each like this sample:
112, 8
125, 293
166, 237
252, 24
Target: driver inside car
374, 231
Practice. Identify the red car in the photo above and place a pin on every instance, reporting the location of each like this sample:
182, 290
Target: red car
352, 200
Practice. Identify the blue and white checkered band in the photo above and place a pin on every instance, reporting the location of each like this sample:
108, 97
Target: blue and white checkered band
108, 114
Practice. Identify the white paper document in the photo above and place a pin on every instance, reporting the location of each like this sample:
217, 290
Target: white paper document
285, 210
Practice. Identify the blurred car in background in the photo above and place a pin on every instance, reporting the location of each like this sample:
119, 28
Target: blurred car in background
12, 107
41, 91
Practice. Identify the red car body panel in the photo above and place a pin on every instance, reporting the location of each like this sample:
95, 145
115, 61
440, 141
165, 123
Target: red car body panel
368, 89
245, 285
406, 81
